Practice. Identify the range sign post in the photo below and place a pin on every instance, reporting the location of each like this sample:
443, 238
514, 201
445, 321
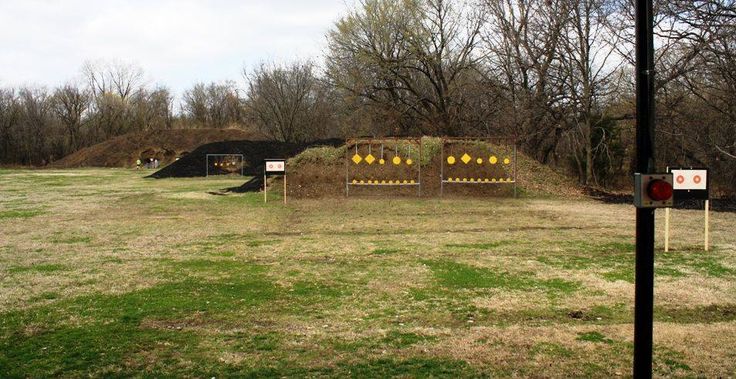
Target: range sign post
689, 184
273, 167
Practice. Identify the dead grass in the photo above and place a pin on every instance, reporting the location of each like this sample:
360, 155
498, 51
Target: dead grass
346, 282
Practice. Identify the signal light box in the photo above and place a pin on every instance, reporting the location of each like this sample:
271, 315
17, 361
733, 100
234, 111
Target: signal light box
653, 190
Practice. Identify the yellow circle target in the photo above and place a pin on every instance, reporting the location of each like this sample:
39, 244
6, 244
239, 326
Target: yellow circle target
382, 161
493, 159
506, 161
450, 160
396, 160
409, 161
479, 160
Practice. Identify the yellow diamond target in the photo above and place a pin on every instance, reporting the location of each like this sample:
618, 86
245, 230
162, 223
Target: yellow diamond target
465, 158
370, 159
357, 158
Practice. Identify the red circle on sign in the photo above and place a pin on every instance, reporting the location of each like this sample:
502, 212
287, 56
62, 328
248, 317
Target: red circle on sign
680, 179
696, 179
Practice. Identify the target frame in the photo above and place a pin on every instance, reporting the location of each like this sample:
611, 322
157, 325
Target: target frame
492, 159
352, 179
207, 163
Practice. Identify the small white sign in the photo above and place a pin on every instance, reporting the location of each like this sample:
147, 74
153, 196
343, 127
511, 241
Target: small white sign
690, 179
275, 166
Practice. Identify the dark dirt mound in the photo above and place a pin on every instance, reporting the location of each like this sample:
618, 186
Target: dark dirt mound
164, 145
254, 152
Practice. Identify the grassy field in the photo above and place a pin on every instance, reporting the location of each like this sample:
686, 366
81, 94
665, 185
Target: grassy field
105, 273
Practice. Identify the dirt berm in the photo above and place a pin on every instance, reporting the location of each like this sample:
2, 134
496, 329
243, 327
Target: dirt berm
164, 145
254, 153
321, 171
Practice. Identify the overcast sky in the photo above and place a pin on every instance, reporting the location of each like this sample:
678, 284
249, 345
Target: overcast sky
176, 42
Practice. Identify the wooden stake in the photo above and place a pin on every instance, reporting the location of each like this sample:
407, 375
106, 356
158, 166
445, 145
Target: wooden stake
284, 188
707, 208
666, 230
265, 189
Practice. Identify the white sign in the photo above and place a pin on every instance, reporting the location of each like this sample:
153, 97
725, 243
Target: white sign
275, 166
690, 179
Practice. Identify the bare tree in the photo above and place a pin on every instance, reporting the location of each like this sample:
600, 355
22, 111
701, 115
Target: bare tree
412, 57
524, 42
288, 103
10, 116
69, 104
215, 105
590, 62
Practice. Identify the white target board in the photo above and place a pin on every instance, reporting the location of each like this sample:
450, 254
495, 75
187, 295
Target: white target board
275, 166
690, 179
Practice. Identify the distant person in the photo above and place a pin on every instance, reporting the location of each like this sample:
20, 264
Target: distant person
138, 164
155, 163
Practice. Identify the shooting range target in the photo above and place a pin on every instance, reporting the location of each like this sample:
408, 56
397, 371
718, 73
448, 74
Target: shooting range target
403, 154
492, 161
224, 164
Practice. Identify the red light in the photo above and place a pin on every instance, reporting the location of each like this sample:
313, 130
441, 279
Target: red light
659, 190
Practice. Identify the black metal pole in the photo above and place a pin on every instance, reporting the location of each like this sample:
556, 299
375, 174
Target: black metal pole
644, 287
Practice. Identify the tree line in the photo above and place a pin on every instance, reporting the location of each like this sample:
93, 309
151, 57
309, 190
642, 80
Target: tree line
556, 75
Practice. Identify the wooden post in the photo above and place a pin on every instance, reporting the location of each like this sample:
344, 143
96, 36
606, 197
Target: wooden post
666, 230
265, 189
284, 187
707, 208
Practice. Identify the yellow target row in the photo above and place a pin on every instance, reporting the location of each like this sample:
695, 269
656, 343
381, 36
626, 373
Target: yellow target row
370, 159
225, 164
451, 160
355, 181
481, 180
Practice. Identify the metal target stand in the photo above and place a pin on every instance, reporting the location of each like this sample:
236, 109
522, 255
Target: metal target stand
218, 164
448, 179
352, 145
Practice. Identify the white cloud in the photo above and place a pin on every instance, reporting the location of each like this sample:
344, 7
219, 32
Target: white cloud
177, 43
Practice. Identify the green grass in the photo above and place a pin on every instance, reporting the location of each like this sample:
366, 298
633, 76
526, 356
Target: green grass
385, 251
480, 246
594, 337
455, 275
39, 268
20, 214
158, 278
